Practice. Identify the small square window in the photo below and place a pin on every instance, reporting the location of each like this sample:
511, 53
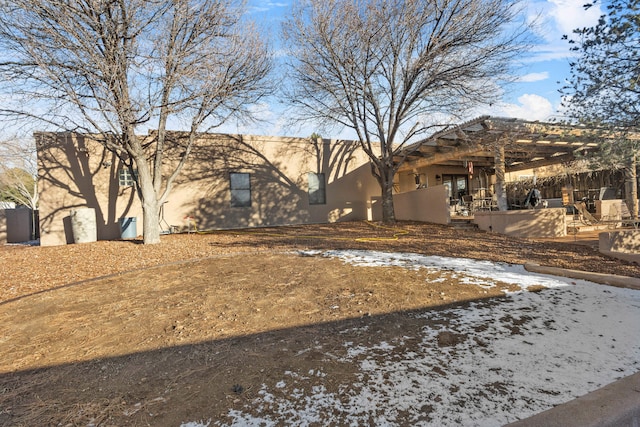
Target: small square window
240, 185
317, 191
125, 178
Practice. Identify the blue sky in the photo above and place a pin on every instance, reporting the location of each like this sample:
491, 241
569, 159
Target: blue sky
534, 97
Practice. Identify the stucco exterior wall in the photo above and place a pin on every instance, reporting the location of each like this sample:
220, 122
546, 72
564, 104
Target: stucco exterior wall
623, 244
524, 223
608, 209
611, 210
425, 204
76, 172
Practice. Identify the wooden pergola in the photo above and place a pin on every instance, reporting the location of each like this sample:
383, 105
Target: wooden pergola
526, 144
500, 145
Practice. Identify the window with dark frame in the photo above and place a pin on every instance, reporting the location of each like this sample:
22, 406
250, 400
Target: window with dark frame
317, 189
125, 178
240, 185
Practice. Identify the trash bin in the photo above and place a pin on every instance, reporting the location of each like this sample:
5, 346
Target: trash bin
83, 225
128, 228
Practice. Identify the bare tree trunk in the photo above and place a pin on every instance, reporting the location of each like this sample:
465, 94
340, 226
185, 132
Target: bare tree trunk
388, 211
148, 197
150, 221
150, 215
34, 225
501, 185
631, 184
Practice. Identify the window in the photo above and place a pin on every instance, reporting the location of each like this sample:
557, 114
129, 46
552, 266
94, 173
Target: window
317, 193
125, 178
240, 185
456, 185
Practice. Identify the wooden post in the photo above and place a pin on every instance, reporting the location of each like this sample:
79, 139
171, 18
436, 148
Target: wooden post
631, 183
501, 185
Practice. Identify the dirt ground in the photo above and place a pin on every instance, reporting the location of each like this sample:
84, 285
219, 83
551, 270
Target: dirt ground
119, 333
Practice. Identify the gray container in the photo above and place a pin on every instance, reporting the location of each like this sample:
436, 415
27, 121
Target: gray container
128, 228
83, 225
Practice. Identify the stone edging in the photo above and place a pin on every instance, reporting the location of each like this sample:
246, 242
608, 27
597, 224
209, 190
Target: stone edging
616, 404
605, 279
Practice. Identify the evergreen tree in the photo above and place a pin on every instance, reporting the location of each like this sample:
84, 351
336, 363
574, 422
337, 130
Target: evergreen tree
604, 88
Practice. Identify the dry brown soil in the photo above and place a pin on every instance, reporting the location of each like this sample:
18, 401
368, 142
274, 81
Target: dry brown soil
120, 333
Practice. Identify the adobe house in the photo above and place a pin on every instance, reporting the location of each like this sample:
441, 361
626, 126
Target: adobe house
230, 181
235, 181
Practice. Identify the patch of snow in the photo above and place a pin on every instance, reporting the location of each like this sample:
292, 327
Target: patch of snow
481, 273
504, 359
196, 424
26, 243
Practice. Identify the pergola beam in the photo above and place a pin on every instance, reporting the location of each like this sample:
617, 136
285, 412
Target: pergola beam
455, 154
540, 163
522, 142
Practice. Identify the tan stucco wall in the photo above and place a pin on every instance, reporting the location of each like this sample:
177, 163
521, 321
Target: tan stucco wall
623, 244
524, 223
426, 204
279, 184
611, 209
75, 172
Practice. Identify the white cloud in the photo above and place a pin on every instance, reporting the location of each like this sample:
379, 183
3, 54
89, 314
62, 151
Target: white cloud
265, 6
570, 14
555, 19
549, 52
530, 107
533, 77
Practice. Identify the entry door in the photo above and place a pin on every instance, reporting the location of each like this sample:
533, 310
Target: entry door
456, 185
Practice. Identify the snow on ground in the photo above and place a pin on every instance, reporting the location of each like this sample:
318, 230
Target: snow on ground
486, 365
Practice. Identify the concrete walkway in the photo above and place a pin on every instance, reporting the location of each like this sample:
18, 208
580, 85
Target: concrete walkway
605, 279
614, 405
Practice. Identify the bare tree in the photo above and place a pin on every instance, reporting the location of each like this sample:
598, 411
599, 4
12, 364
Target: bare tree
18, 176
107, 67
18, 172
386, 68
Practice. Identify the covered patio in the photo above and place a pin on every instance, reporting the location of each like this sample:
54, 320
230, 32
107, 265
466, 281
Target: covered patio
485, 150
472, 163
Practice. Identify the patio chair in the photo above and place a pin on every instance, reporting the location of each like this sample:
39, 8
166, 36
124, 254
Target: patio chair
585, 215
467, 202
